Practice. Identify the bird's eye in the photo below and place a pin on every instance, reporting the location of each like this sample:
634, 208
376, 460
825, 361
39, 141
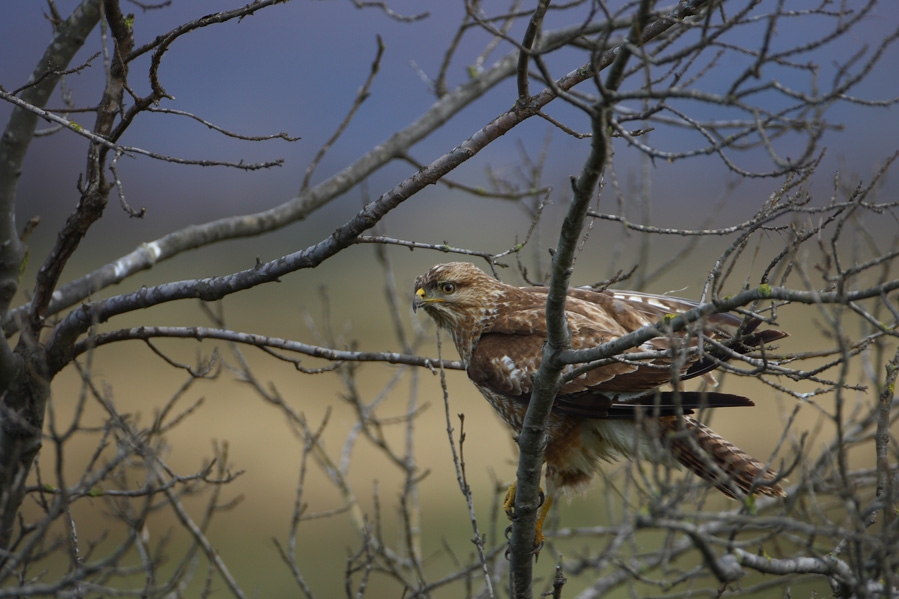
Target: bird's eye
447, 287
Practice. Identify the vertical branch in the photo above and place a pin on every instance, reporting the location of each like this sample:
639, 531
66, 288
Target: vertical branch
535, 25
68, 39
95, 193
22, 381
885, 491
532, 440
411, 498
885, 487
460, 475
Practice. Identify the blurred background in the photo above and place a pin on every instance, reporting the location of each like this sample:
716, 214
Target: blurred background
295, 69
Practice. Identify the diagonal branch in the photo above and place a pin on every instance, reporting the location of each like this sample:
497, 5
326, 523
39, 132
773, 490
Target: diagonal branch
309, 200
261, 341
743, 298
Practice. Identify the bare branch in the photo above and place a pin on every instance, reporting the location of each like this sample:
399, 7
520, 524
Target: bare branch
200, 333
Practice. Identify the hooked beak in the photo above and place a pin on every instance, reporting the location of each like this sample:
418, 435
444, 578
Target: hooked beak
419, 300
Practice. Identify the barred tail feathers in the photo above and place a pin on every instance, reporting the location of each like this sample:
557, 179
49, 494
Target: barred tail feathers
697, 447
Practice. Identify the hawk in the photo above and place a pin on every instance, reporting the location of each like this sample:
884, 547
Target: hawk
616, 409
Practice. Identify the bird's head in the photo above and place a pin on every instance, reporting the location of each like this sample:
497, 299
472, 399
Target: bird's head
455, 292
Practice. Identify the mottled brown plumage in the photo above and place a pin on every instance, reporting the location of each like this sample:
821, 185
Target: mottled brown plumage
610, 411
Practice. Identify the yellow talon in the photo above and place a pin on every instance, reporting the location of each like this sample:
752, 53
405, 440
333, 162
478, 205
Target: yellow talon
509, 502
509, 508
539, 539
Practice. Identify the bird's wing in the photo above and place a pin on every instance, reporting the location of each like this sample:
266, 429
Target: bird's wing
503, 365
737, 333
508, 355
506, 358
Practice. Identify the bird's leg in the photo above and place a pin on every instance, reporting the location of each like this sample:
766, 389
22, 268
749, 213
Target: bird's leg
509, 502
539, 539
509, 508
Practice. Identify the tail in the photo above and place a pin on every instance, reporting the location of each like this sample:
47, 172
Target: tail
717, 460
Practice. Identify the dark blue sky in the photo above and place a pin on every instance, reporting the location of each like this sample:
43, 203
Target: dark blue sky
296, 67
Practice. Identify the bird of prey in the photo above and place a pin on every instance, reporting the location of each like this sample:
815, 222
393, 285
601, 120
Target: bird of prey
616, 409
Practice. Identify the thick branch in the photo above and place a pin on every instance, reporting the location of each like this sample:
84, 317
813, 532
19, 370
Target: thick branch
61, 344
531, 440
16, 139
546, 382
95, 193
22, 385
302, 205
310, 200
886, 491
